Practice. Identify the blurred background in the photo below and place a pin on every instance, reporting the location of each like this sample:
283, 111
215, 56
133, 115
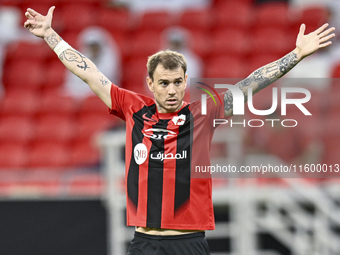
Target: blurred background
61, 154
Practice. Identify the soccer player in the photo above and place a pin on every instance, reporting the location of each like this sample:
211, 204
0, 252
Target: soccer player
170, 209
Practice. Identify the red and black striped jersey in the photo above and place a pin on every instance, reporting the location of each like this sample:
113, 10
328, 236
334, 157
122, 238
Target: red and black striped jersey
161, 152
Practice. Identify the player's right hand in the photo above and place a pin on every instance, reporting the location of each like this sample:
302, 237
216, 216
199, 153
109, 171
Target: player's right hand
38, 24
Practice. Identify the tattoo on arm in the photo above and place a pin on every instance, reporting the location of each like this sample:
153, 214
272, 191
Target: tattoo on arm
52, 39
72, 55
104, 81
262, 77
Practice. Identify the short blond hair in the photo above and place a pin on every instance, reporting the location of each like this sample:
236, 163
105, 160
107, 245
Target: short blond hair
169, 59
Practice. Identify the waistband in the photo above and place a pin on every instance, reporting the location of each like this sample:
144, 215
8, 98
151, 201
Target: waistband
172, 237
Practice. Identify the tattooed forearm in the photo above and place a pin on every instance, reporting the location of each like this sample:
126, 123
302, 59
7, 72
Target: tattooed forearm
261, 78
52, 40
104, 81
275, 70
72, 55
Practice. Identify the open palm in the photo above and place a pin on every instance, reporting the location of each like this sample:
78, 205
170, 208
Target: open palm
38, 24
320, 38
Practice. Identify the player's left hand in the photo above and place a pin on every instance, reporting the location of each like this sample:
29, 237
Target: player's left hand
320, 38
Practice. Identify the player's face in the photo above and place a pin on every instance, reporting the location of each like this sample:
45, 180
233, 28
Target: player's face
168, 87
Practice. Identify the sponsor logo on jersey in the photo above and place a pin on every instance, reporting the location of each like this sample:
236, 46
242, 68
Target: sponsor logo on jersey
140, 153
161, 156
159, 133
148, 119
179, 120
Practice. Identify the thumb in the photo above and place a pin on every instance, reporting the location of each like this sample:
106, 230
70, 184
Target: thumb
302, 29
50, 11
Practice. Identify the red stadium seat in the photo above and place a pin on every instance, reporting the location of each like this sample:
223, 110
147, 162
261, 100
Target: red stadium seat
233, 14
90, 124
57, 105
154, 20
93, 105
26, 75
200, 20
225, 67
49, 155
200, 43
273, 14
13, 156
84, 153
55, 129
313, 17
20, 103
114, 20
134, 75
145, 43
91, 184
29, 51
17, 130
55, 76
230, 41
76, 17
335, 72
271, 41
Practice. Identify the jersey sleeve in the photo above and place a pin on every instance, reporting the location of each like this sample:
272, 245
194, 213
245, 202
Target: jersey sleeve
125, 102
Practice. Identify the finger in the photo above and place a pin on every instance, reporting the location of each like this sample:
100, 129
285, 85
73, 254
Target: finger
29, 23
327, 32
302, 29
50, 11
322, 28
28, 15
323, 45
326, 38
32, 12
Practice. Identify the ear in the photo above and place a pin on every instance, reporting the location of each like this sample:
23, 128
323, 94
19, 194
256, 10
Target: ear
185, 81
150, 84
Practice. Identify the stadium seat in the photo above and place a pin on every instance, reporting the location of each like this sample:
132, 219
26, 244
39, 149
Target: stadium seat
58, 129
90, 184
49, 155
85, 154
29, 51
230, 41
200, 43
200, 20
154, 20
20, 103
273, 15
114, 20
313, 17
93, 105
335, 72
225, 67
134, 75
20, 130
13, 156
233, 14
91, 124
54, 76
145, 43
76, 17
57, 105
26, 75
271, 41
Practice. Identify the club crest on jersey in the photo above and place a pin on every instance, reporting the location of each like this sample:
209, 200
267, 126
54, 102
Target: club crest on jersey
140, 153
158, 133
179, 120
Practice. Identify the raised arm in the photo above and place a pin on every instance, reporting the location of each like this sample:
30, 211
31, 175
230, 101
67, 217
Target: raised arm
74, 61
266, 75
